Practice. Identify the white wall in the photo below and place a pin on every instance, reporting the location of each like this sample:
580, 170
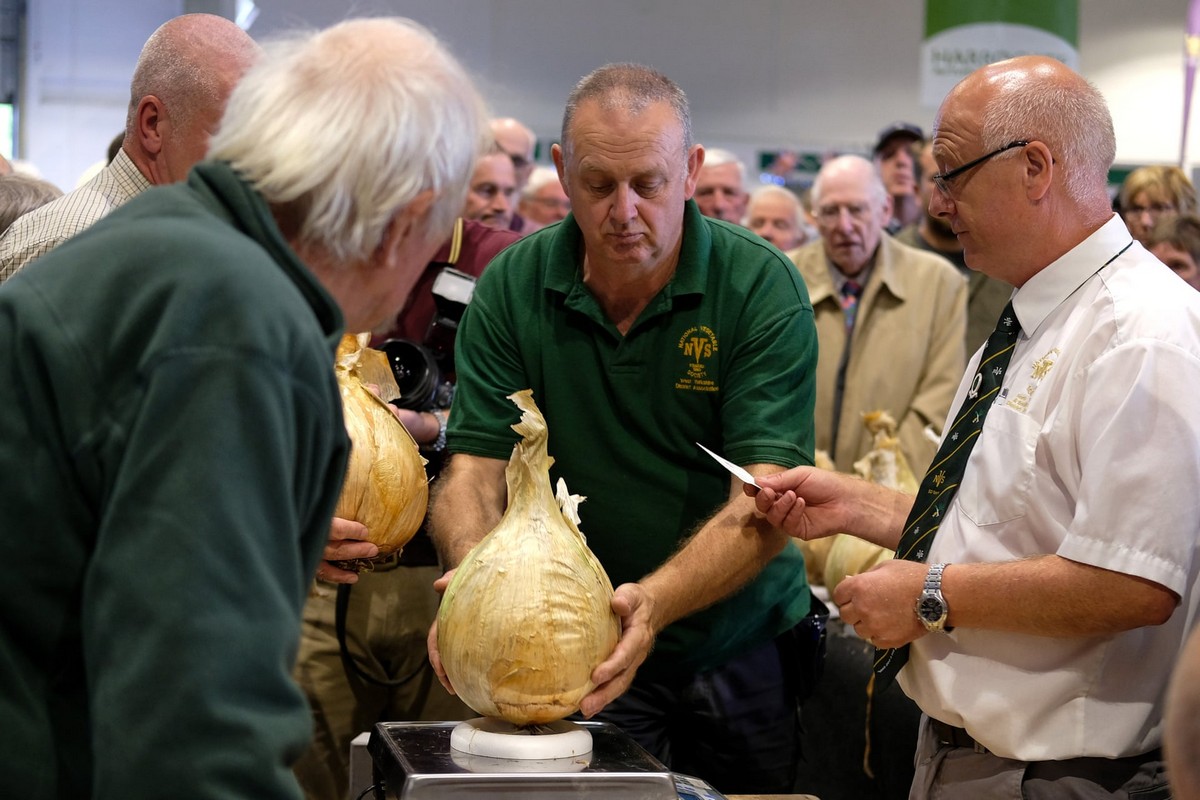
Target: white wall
79, 59
761, 74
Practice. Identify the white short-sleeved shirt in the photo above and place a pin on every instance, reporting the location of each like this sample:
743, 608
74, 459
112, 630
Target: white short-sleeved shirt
1092, 452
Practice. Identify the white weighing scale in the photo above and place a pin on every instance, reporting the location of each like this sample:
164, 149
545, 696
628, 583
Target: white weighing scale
485, 758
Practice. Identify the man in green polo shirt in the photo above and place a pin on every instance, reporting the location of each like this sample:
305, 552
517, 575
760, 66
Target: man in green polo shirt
643, 328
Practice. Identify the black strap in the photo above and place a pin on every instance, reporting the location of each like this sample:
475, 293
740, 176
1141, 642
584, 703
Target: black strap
352, 667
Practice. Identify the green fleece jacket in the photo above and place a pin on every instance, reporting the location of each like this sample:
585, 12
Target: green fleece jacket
172, 449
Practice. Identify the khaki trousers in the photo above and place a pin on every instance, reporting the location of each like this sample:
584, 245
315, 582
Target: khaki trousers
387, 622
944, 772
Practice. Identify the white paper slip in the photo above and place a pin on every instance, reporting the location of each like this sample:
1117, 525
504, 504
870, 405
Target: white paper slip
738, 472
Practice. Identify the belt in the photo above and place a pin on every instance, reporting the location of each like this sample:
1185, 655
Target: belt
954, 737
386, 563
419, 552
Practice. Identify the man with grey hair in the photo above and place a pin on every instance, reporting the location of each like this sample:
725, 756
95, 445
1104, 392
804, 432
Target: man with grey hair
180, 84
1062, 568
720, 189
890, 319
650, 329
173, 441
20, 194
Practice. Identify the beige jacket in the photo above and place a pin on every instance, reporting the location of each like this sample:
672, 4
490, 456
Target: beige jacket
906, 355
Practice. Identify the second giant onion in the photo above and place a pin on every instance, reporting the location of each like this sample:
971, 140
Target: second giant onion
385, 488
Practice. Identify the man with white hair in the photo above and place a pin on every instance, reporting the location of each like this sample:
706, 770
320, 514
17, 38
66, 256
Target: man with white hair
890, 320
183, 77
543, 201
775, 214
720, 189
173, 441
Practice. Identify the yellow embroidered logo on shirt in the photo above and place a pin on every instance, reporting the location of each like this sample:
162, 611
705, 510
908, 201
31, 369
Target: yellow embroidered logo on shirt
1038, 371
697, 345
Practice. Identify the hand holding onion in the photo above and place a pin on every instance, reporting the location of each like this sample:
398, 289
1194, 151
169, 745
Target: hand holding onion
348, 541
633, 604
385, 487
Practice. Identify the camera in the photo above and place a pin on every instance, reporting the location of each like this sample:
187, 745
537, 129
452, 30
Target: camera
424, 370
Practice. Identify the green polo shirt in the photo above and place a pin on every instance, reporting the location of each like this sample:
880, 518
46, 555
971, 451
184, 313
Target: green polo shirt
724, 355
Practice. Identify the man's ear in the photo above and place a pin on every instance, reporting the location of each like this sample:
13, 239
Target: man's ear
408, 221
556, 155
695, 160
1039, 170
150, 116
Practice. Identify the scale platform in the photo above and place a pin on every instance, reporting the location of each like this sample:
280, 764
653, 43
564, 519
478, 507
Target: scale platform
416, 762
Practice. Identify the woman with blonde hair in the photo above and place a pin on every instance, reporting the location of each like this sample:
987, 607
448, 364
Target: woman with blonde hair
1151, 194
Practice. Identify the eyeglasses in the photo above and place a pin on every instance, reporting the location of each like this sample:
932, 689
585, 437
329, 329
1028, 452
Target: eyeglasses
944, 179
831, 214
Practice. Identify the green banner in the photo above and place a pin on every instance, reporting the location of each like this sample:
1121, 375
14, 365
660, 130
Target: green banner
1059, 18
963, 35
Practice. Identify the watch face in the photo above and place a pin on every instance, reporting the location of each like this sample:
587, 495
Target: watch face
930, 609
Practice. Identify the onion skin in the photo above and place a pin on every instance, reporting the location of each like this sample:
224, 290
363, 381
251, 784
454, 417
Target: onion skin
528, 614
385, 488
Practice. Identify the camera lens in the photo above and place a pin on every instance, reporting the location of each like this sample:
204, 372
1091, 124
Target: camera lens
416, 373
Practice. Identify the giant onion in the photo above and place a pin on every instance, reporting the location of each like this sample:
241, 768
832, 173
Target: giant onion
385, 488
528, 614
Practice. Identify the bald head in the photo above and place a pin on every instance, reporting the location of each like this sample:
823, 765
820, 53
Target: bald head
1023, 148
182, 80
852, 207
519, 142
1042, 99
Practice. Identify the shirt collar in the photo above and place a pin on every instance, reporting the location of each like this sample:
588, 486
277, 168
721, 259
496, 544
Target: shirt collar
1047, 289
126, 174
840, 279
882, 261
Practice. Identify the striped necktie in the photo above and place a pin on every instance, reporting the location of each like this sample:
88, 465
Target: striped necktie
851, 292
941, 482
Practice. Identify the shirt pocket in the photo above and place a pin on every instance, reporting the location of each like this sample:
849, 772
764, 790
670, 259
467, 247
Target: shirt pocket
999, 478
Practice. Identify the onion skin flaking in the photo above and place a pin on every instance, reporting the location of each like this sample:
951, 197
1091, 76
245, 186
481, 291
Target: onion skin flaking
385, 488
528, 614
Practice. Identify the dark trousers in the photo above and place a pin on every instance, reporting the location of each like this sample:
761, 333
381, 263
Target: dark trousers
736, 727
858, 745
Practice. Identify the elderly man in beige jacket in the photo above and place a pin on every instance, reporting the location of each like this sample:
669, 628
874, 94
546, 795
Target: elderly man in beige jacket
890, 320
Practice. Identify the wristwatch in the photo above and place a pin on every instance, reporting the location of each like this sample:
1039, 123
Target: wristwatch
438, 444
931, 606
